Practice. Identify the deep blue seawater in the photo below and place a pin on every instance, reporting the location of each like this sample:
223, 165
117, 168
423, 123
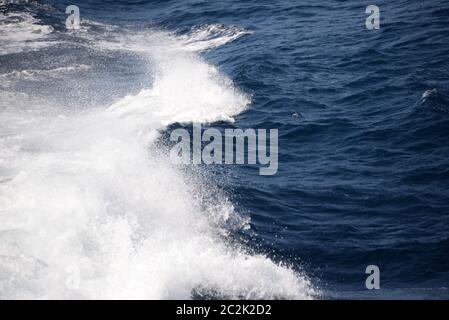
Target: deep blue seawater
363, 120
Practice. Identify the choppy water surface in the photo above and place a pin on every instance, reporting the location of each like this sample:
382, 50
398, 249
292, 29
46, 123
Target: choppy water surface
86, 188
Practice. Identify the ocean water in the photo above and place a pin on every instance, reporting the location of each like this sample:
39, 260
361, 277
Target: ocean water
91, 207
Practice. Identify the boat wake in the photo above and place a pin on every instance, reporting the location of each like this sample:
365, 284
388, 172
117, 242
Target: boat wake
90, 206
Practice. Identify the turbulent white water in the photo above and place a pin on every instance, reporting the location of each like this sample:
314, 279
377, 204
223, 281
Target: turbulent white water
21, 32
90, 207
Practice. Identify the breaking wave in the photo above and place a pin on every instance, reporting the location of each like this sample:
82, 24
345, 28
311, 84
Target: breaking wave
90, 206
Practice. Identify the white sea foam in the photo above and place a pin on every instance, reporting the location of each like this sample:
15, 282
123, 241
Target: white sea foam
20, 31
211, 36
91, 208
199, 38
6, 79
184, 89
429, 93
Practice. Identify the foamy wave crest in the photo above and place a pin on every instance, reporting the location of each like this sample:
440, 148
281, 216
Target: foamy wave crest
199, 38
91, 208
211, 36
185, 89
